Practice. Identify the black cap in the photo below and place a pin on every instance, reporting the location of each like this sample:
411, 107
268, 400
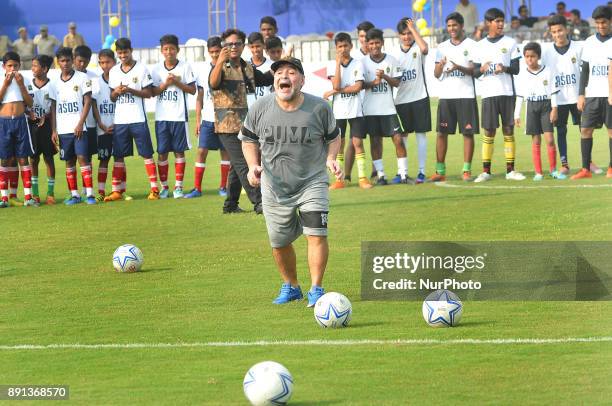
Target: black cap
288, 60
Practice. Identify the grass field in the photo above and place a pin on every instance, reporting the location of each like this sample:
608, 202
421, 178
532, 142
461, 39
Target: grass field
209, 278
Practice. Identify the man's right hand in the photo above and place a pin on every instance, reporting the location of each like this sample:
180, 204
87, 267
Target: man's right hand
224, 55
580, 104
8, 78
254, 175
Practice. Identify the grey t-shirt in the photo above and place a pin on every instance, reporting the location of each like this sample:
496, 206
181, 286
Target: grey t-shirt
293, 144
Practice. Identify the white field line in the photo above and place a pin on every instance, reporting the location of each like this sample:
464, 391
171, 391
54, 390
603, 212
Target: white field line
264, 343
566, 186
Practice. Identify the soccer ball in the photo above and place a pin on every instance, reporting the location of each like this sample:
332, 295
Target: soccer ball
127, 258
333, 310
442, 308
268, 383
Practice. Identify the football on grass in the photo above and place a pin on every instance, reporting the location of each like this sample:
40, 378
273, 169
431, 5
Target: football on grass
127, 258
268, 383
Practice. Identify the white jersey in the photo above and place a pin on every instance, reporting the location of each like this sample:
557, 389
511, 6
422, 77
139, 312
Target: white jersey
106, 107
535, 87
412, 86
91, 120
456, 84
13, 94
42, 101
502, 51
208, 107
130, 109
378, 100
260, 91
172, 103
596, 53
68, 96
567, 69
347, 105
357, 54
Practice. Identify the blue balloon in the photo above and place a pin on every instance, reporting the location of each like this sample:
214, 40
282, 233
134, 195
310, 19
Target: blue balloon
109, 38
106, 45
427, 6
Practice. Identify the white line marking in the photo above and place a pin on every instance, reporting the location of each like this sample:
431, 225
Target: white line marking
264, 343
468, 186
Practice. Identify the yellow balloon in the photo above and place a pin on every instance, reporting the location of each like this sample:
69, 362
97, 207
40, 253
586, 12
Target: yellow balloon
114, 21
418, 7
422, 2
421, 23
114, 47
425, 32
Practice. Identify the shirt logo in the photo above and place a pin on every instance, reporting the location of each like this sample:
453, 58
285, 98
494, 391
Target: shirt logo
88, 83
135, 79
414, 55
545, 82
388, 69
573, 59
76, 88
324, 219
504, 50
355, 73
465, 53
30, 87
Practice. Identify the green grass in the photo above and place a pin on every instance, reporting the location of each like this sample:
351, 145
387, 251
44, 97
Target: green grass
210, 277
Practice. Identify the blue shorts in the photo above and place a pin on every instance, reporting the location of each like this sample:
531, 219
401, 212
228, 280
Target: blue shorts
15, 139
92, 141
208, 138
124, 136
172, 136
72, 147
105, 147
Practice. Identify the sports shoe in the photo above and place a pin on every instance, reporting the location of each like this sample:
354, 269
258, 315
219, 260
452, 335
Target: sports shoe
162, 195
596, 169
609, 173
258, 208
538, 177
222, 191
582, 174
194, 193
314, 294
364, 183
232, 210
347, 180
37, 198
337, 185
407, 181
14, 202
50, 200
288, 293
100, 198
73, 200
91, 200
436, 177
564, 170
177, 193
513, 175
127, 198
155, 195
4, 204
420, 178
113, 197
373, 175
558, 175
31, 203
397, 179
382, 181
483, 177
466, 176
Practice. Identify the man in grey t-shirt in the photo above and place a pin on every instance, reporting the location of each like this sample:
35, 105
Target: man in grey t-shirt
297, 137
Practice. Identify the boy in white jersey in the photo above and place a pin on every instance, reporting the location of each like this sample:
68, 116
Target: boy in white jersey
457, 104
346, 75
497, 60
259, 62
381, 73
205, 131
104, 113
564, 56
15, 141
411, 98
362, 50
536, 85
40, 126
82, 56
131, 82
274, 48
172, 81
70, 93
593, 99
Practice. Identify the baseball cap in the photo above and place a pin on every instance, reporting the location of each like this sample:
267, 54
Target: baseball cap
21, 29
44, 28
288, 60
72, 24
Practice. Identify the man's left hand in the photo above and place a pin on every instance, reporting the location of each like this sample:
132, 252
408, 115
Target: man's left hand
334, 167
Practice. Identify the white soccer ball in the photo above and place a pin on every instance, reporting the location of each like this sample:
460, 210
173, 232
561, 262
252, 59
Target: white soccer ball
127, 258
268, 383
442, 308
333, 310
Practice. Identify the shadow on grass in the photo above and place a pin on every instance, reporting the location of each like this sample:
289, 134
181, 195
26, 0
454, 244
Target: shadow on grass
319, 402
477, 323
413, 200
154, 270
366, 324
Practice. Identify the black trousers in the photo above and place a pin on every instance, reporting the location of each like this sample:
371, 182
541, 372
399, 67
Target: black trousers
237, 177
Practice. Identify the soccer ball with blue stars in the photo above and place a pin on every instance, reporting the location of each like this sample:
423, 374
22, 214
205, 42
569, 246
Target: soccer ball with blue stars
268, 383
333, 310
442, 308
127, 258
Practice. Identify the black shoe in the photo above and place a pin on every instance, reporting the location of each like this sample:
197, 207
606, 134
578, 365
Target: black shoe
374, 175
407, 181
232, 210
258, 208
382, 181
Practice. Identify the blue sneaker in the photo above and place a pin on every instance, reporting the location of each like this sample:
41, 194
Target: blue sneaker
91, 200
73, 200
178, 193
396, 180
222, 191
314, 294
288, 293
420, 178
4, 204
164, 194
194, 193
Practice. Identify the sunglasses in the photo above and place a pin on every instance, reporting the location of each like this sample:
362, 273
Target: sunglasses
234, 44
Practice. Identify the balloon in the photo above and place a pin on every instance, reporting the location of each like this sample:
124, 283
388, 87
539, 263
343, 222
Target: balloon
427, 6
422, 2
114, 21
421, 23
113, 47
418, 7
425, 32
106, 45
109, 38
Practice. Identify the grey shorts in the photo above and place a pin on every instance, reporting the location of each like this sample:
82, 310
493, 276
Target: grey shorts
308, 216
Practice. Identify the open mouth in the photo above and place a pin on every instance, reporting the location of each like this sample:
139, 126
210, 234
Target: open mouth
285, 85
